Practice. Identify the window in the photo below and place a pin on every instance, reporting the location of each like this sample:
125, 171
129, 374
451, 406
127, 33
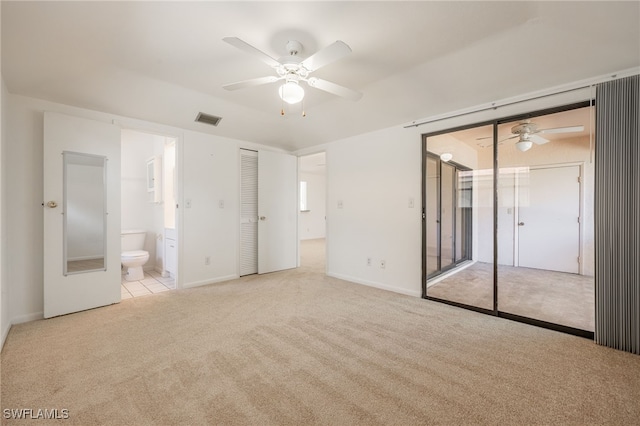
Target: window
304, 207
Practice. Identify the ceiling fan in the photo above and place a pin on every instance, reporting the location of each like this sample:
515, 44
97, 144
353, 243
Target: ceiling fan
293, 69
527, 134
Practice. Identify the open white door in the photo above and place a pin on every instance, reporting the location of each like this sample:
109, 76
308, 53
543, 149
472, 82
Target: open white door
81, 214
548, 219
277, 211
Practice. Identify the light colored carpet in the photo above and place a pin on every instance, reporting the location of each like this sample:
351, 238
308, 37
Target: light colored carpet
296, 347
557, 297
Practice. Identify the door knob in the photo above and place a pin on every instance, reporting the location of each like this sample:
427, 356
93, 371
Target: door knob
52, 204
520, 223
263, 218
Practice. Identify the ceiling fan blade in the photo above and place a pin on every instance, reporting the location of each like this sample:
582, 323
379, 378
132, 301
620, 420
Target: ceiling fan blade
539, 140
335, 89
569, 129
331, 53
246, 47
250, 83
506, 139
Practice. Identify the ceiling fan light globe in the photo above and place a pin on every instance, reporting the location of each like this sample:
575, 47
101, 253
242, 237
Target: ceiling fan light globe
291, 92
524, 145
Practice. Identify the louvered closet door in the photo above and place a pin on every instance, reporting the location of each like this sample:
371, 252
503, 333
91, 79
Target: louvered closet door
248, 212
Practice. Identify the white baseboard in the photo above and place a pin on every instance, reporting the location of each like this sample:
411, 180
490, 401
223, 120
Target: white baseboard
27, 318
414, 293
211, 281
5, 333
160, 270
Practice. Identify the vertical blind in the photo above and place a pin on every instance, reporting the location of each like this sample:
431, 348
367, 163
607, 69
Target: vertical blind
617, 200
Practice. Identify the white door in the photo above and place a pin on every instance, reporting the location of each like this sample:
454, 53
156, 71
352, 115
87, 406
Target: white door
548, 219
277, 211
81, 244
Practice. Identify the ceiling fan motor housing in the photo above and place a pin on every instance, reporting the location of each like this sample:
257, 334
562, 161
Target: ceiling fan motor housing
524, 128
294, 47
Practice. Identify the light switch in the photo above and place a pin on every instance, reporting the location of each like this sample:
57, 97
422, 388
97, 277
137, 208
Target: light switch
187, 203
221, 204
411, 203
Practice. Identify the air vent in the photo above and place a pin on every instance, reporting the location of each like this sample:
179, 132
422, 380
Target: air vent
208, 119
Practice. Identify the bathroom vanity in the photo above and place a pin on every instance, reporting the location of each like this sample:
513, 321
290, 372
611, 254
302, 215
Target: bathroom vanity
170, 251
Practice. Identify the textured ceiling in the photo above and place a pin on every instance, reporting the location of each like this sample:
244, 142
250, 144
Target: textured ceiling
166, 61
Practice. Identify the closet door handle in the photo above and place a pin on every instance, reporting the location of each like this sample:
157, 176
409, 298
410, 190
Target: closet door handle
520, 223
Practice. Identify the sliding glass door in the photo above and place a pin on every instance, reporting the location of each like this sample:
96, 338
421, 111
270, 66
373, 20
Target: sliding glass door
545, 230
432, 216
508, 209
448, 217
458, 209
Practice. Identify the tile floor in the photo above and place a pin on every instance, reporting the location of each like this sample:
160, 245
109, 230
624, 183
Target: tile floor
152, 283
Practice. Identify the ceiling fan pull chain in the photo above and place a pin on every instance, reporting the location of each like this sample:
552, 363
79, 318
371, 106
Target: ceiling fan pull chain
281, 106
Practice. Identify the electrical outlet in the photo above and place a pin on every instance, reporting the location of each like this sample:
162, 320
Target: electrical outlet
340, 204
383, 264
207, 260
368, 261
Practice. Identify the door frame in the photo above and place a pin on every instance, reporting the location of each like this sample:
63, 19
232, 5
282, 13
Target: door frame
495, 123
266, 265
469, 250
325, 201
581, 197
178, 136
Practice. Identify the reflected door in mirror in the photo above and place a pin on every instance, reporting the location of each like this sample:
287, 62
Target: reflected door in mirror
84, 210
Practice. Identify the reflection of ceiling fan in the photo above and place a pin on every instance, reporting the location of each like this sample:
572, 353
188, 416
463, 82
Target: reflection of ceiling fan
527, 134
293, 69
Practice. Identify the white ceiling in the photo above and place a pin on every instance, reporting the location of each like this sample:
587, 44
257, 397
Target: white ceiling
166, 61
313, 163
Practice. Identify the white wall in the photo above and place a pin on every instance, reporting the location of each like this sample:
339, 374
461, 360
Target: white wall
24, 155
210, 176
5, 320
313, 223
374, 176
209, 172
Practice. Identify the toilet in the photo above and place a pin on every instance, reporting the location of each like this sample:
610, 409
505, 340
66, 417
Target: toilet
133, 257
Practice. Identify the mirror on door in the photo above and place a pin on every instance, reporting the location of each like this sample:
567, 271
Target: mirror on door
84, 211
